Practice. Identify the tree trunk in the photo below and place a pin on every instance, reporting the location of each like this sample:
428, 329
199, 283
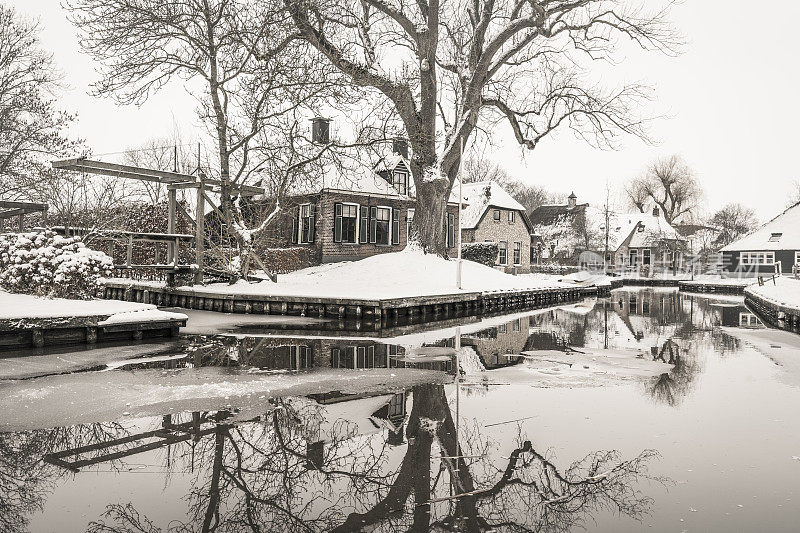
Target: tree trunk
430, 215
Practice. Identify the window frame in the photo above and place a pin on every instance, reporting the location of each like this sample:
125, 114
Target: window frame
797, 257
306, 235
512, 216
395, 226
502, 253
338, 222
403, 181
496, 215
374, 225
757, 258
363, 224
517, 253
451, 230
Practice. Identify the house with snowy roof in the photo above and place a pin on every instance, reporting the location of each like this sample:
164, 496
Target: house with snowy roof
349, 214
492, 215
774, 247
642, 243
560, 231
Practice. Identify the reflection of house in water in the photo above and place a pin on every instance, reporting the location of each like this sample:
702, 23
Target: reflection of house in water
739, 316
500, 345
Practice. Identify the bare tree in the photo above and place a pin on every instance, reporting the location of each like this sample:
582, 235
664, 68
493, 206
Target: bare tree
31, 128
245, 66
669, 184
794, 195
733, 221
451, 68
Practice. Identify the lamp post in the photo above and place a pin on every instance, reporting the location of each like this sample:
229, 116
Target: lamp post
460, 202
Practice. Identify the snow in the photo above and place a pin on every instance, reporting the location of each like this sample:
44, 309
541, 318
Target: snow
24, 306
14, 306
405, 274
142, 315
787, 223
480, 196
55, 401
781, 347
785, 292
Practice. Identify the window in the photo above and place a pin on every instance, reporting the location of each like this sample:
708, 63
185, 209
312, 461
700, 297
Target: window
409, 221
632, 257
395, 226
797, 258
400, 181
379, 225
512, 216
757, 258
306, 224
363, 228
517, 252
343, 359
365, 357
345, 221
503, 259
775, 237
451, 230
300, 357
501, 328
645, 257
496, 215
515, 326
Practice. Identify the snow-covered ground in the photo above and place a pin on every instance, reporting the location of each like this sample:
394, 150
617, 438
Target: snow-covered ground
24, 307
785, 292
405, 274
781, 347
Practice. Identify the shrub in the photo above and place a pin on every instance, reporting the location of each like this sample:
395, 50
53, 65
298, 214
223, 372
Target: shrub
484, 253
45, 264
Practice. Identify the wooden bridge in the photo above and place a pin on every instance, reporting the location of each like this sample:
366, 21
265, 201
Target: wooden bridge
174, 181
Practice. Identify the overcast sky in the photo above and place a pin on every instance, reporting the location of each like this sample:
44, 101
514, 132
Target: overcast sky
730, 98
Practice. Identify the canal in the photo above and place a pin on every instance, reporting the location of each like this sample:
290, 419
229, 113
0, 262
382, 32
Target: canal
647, 410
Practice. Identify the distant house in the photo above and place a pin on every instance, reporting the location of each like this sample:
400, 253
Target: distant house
559, 231
775, 246
493, 215
353, 215
642, 243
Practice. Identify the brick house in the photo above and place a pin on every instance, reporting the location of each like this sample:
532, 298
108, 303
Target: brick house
493, 215
643, 243
560, 231
354, 216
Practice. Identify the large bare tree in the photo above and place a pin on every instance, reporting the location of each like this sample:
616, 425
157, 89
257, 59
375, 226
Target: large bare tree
451, 69
242, 62
733, 221
32, 129
669, 184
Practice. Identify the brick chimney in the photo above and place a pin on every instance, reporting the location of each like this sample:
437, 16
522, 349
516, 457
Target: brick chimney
400, 146
572, 201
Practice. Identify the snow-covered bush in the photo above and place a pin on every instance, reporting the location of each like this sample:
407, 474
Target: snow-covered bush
46, 264
484, 253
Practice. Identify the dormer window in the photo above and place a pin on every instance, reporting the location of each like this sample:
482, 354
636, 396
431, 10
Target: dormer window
400, 181
775, 237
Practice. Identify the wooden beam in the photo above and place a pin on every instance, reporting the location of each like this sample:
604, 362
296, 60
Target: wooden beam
200, 233
31, 206
13, 212
176, 186
141, 173
172, 250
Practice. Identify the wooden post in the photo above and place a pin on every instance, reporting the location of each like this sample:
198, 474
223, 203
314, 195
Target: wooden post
172, 194
199, 237
21, 223
129, 255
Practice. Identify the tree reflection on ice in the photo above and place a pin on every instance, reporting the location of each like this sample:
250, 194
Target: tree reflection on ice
298, 469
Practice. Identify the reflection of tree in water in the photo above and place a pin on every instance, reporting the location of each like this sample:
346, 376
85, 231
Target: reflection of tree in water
672, 387
26, 480
275, 475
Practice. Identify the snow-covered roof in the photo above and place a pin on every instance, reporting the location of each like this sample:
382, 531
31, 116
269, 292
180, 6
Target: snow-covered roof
654, 228
363, 180
780, 233
480, 196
